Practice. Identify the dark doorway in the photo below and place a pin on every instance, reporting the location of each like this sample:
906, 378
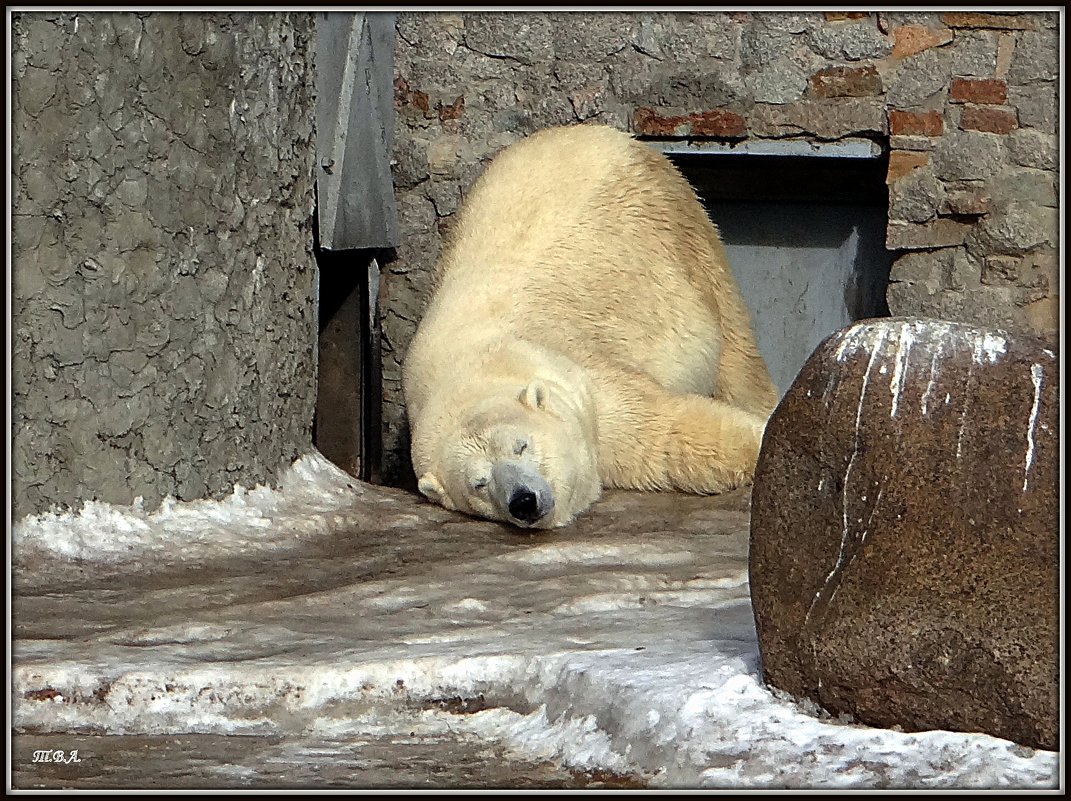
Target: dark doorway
346, 426
805, 236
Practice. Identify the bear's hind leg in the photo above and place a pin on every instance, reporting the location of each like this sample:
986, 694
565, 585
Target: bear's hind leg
712, 446
682, 442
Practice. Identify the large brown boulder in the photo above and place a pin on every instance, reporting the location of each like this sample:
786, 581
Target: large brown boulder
905, 531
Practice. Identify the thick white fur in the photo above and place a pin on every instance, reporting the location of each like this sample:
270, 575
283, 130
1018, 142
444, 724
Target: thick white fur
584, 305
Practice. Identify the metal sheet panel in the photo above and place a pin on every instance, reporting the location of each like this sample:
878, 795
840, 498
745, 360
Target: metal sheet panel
354, 119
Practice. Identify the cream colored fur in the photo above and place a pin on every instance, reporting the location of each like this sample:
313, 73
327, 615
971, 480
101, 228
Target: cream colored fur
583, 272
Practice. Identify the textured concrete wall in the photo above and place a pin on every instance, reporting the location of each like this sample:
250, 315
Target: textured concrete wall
967, 102
164, 282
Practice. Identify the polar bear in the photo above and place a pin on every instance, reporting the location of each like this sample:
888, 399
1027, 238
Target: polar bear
584, 331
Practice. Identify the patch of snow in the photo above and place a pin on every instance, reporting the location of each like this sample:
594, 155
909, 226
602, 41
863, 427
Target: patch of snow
312, 497
610, 655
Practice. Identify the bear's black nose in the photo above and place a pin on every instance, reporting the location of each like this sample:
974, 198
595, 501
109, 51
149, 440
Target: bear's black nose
524, 505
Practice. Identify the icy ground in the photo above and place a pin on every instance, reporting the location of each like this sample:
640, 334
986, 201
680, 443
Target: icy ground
327, 617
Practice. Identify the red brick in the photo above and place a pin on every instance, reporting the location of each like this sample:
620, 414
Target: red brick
972, 19
452, 111
837, 16
990, 120
846, 82
401, 92
645, 121
405, 96
987, 91
901, 162
719, 123
911, 39
912, 123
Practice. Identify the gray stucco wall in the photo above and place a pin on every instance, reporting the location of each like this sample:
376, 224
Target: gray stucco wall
163, 276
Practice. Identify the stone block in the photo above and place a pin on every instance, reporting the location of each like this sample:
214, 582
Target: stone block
591, 36
409, 165
963, 271
1015, 228
914, 143
699, 87
911, 39
1036, 105
1041, 270
442, 154
761, 44
1000, 270
445, 197
782, 22
850, 41
918, 80
968, 155
923, 266
940, 233
905, 538
1030, 148
1027, 186
974, 54
1043, 316
978, 305
686, 37
935, 270
1036, 58
588, 102
526, 38
829, 119
972, 202
915, 197
779, 81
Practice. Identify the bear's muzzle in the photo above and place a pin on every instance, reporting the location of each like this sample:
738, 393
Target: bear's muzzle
521, 492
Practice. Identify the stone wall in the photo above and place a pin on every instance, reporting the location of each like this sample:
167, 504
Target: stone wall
163, 275
965, 101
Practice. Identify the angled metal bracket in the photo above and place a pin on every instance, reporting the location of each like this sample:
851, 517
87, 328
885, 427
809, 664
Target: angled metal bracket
355, 127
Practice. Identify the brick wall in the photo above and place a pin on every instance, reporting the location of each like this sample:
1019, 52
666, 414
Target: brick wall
966, 102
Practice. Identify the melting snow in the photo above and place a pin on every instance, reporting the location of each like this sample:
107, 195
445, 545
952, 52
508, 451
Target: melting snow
618, 655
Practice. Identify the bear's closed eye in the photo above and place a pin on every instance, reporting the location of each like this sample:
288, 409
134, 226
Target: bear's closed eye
520, 447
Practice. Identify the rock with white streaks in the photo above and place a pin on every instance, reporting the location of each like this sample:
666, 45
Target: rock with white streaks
904, 555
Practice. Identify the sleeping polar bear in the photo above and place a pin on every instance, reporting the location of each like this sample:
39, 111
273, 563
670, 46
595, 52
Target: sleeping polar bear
585, 331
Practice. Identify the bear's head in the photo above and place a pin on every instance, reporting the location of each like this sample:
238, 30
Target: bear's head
528, 459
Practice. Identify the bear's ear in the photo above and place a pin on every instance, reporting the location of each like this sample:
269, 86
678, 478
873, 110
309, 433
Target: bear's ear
536, 395
430, 488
